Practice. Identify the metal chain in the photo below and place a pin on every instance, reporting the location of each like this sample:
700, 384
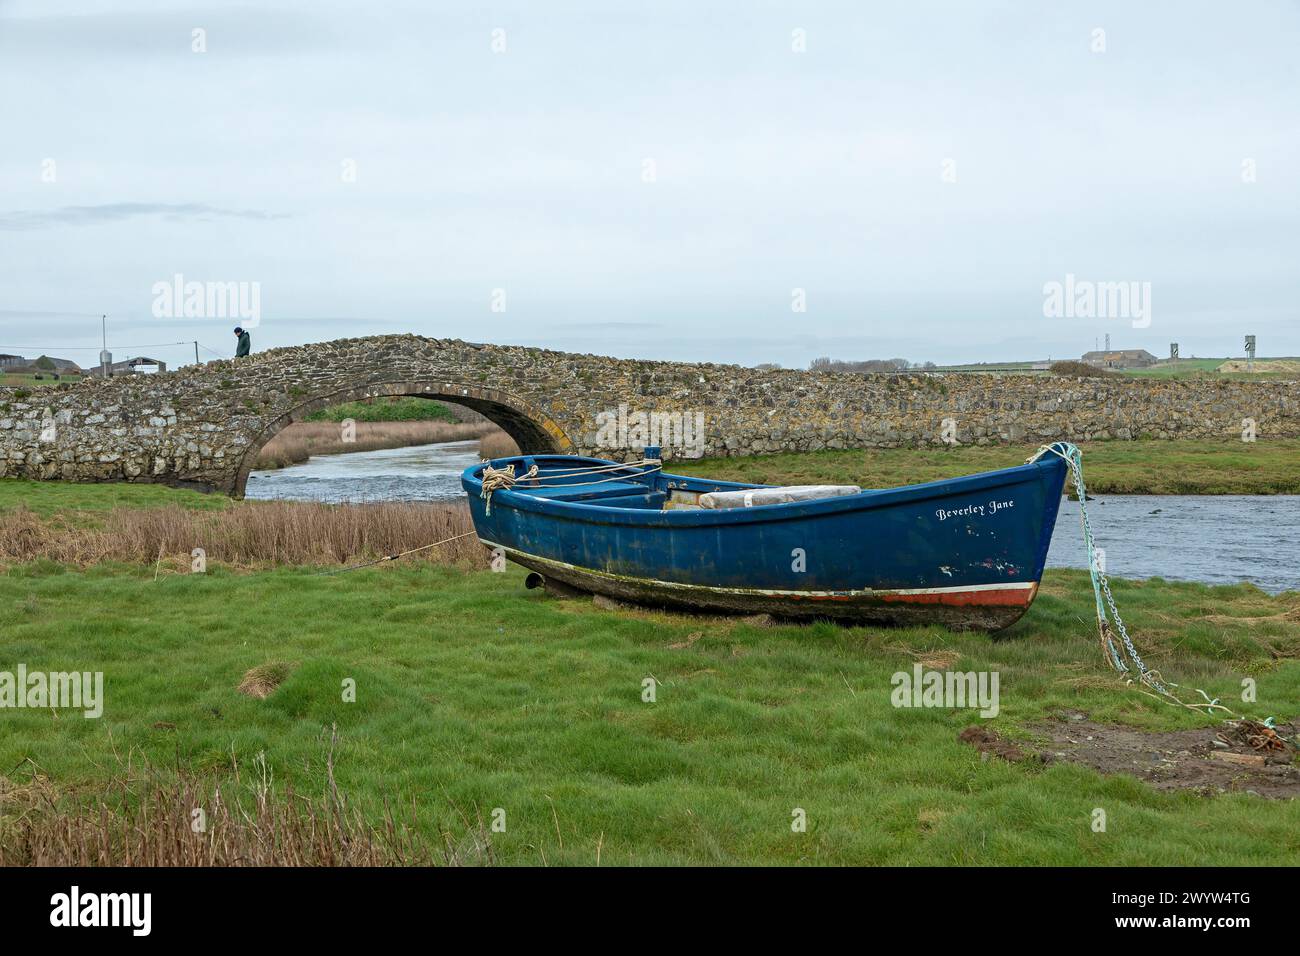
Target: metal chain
1146, 675
1101, 591
1100, 583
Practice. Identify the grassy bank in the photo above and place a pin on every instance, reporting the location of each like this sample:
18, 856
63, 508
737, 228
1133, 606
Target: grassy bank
474, 694
1215, 369
66, 499
1224, 368
31, 381
399, 409
1116, 467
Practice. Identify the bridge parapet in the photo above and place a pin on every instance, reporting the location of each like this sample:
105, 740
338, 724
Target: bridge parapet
203, 425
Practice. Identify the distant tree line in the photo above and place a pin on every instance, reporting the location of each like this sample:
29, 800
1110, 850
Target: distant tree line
868, 365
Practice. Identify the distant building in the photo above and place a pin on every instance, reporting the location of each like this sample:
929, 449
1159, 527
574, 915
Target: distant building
140, 365
12, 361
1122, 358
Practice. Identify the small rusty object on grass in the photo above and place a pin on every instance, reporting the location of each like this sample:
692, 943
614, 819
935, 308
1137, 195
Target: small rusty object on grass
988, 741
1244, 760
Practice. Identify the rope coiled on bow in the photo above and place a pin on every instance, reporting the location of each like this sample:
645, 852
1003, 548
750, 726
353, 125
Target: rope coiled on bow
503, 479
496, 479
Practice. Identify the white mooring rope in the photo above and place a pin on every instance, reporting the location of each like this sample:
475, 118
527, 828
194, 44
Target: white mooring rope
499, 479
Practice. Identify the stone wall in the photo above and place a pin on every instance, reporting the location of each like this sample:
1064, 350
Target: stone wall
203, 425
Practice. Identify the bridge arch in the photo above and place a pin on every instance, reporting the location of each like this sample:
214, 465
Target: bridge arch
531, 428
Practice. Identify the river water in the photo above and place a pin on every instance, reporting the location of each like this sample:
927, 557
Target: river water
417, 473
1215, 539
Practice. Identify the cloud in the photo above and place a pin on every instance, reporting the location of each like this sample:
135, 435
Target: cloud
575, 326
122, 211
233, 32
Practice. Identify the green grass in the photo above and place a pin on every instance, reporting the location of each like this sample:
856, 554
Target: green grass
402, 409
474, 693
1181, 369
1027, 366
63, 497
1209, 368
1184, 368
26, 381
1116, 467
1199, 372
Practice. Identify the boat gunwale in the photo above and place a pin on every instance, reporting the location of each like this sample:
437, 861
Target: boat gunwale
868, 499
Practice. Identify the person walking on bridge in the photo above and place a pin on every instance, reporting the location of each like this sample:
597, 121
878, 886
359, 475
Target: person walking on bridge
245, 343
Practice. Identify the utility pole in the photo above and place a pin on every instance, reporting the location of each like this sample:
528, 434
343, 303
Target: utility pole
105, 356
196, 352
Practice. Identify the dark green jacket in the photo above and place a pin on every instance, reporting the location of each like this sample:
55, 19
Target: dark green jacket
244, 345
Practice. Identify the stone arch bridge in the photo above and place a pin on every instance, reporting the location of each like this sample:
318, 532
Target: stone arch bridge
203, 425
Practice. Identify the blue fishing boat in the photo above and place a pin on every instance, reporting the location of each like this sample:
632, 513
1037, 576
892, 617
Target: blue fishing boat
965, 552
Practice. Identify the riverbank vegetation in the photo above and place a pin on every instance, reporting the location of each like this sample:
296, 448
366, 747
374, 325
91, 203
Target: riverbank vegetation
1113, 467
299, 441
1145, 466
497, 444
378, 423
402, 408
248, 535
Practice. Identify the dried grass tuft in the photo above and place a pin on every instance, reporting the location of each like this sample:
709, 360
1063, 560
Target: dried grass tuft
261, 681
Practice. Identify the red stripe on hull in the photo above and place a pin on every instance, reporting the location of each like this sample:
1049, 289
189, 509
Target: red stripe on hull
1018, 597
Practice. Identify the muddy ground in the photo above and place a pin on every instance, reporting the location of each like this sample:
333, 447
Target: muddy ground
1226, 758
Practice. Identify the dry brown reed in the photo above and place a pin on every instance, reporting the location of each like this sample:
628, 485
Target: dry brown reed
251, 534
148, 818
299, 441
497, 444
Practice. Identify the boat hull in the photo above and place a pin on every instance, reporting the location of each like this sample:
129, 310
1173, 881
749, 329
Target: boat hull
966, 553
982, 608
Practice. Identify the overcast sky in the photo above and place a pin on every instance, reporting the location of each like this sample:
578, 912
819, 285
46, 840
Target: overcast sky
129, 158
